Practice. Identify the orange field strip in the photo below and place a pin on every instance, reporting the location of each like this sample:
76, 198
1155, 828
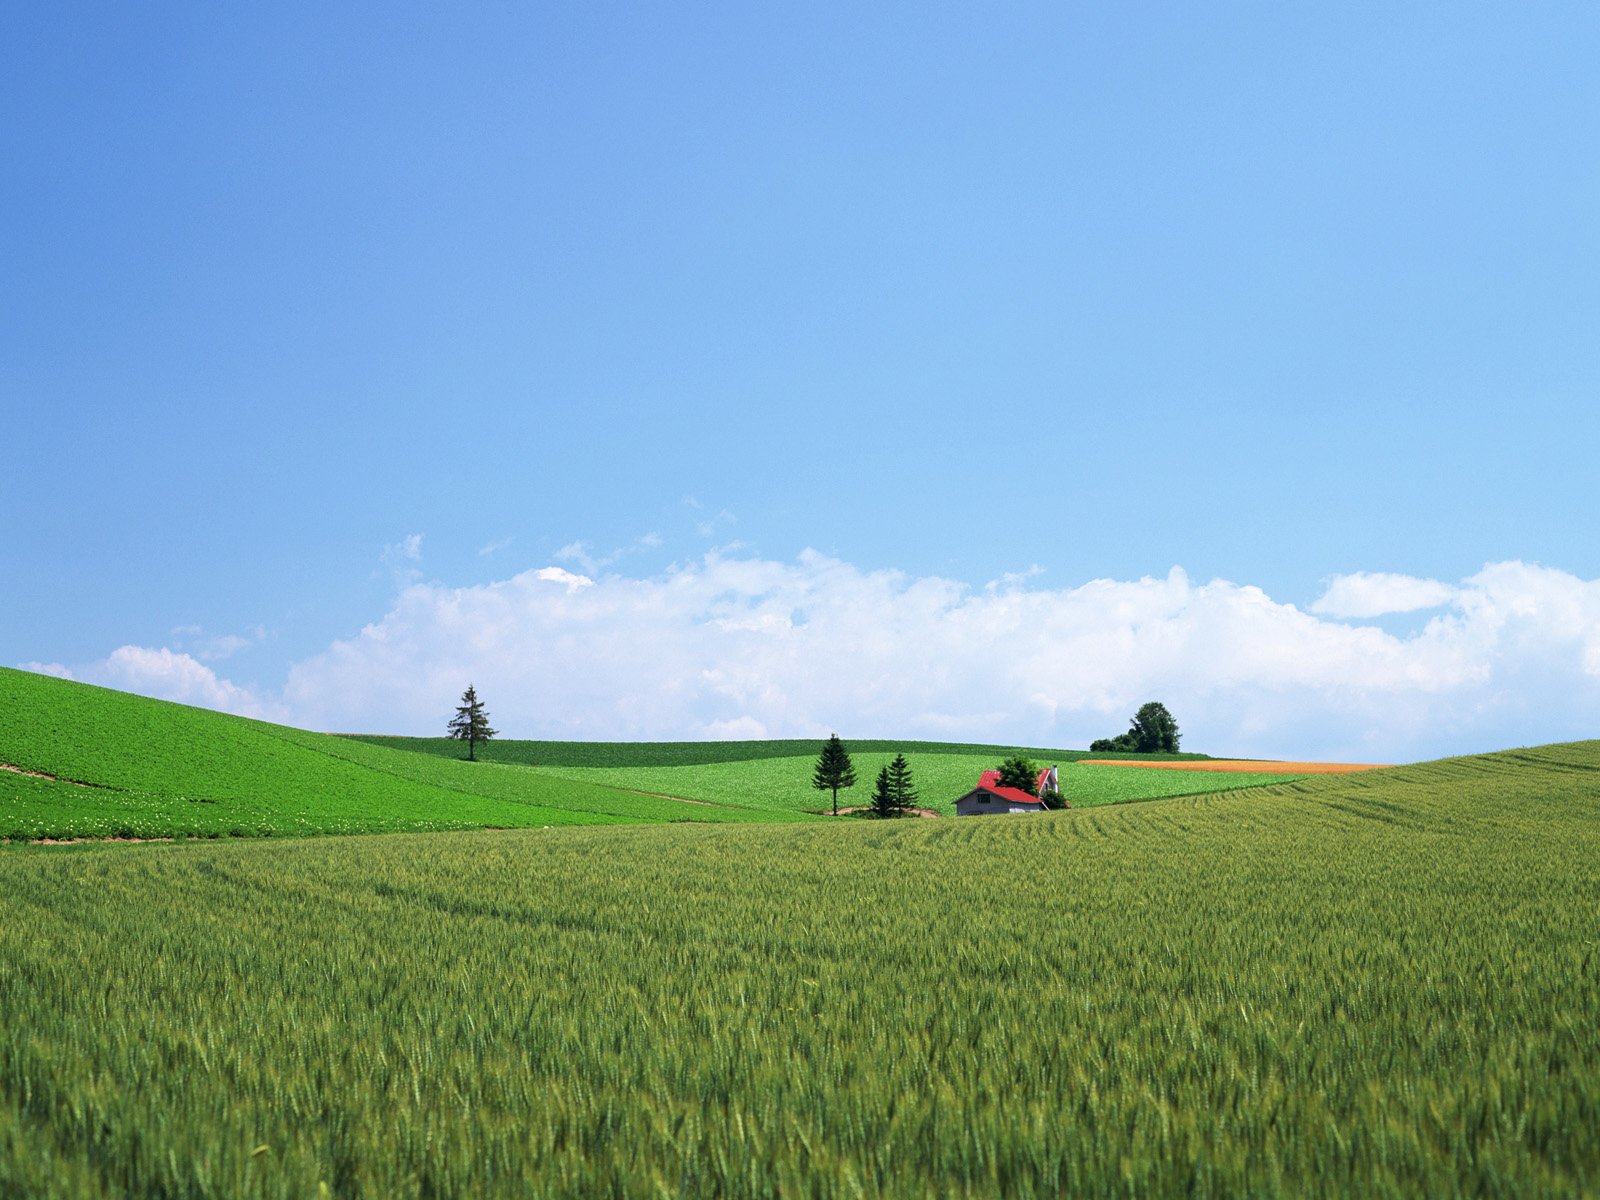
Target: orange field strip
1239, 765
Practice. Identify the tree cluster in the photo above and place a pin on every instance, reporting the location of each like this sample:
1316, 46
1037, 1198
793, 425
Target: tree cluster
1152, 731
892, 794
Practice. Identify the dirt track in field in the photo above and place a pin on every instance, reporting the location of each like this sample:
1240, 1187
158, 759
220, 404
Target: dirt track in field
1239, 765
41, 775
664, 796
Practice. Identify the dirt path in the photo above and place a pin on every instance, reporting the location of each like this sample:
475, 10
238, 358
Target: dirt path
679, 799
41, 775
1238, 765
80, 841
916, 812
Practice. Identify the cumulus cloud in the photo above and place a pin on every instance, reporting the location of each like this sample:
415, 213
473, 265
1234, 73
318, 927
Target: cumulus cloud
1377, 594
166, 675
748, 647
806, 647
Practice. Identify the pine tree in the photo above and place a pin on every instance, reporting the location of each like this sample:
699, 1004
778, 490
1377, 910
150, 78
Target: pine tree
834, 770
883, 804
471, 722
900, 787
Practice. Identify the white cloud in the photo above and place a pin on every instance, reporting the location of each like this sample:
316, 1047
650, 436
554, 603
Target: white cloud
807, 647
218, 646
494, 547
403, 558
580, 553
39, 668
166, 675
734, 647
1378, 594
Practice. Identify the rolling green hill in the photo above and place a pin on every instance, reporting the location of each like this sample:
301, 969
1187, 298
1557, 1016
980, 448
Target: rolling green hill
157, 770
1380, 984
127, 766
689, 754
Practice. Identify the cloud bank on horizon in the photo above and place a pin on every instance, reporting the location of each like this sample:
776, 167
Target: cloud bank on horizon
730, 647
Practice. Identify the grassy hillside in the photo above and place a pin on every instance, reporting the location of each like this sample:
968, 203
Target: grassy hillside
127, 766
159, 769
689, 754
1379, 984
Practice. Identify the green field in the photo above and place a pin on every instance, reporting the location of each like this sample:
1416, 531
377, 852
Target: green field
1378, 984
162, 770
689, 754
784, 784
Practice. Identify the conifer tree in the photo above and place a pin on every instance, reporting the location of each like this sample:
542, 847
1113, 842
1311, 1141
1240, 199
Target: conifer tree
883, 804
900, 786
834, 770
471, 722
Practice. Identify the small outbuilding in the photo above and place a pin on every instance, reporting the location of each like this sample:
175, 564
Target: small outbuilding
989, 797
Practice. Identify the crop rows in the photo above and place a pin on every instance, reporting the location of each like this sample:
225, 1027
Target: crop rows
1384, 984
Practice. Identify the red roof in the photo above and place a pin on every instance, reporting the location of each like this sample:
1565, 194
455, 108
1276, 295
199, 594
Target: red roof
989, 782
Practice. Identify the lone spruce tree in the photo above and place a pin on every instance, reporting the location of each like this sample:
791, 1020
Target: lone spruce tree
834, 770
471, 722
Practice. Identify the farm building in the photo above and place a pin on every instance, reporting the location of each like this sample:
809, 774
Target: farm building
990, 797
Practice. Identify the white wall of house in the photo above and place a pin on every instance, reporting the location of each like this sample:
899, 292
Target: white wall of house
981, 803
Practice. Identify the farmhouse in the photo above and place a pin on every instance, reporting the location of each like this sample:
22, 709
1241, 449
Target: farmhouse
990, 797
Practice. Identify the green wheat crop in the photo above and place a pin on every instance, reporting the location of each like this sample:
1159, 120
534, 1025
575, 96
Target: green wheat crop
1381, 984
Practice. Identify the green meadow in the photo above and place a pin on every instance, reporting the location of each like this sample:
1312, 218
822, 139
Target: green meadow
1383, 984
128, 767
125, 766
784, 784
688, 754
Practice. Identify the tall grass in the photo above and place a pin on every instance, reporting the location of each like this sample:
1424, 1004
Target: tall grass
1380, 984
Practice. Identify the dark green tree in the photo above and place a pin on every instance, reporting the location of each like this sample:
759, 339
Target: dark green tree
1154, 730
1123, 743
1017, 772
834, 770
1054, 799
883, 804
901, 789
471, 722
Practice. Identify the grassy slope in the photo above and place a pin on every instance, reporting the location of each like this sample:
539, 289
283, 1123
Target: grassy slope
785, 783
1379, 984
688, 754
162, 769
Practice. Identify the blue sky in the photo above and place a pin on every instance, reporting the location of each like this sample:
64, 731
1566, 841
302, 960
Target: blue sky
1272, 294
